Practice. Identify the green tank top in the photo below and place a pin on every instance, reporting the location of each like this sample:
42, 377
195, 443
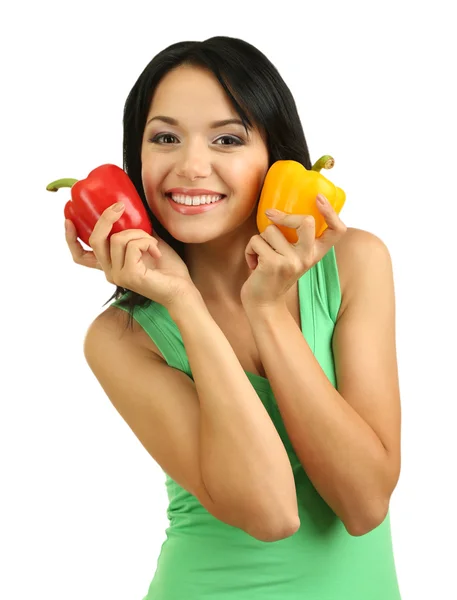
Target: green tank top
203, 558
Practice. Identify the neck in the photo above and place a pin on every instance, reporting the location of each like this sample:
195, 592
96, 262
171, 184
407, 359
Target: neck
218, 268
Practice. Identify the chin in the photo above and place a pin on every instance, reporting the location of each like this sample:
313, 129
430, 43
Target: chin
194, 237
201, 233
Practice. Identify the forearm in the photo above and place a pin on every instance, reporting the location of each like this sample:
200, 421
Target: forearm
244, 464
342, 455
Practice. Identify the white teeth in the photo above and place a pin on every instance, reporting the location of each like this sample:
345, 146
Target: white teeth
195, 200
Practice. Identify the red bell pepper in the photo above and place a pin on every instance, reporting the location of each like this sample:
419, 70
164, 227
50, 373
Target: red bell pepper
103, 187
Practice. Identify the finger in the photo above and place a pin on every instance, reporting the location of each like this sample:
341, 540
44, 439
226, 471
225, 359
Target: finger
135, 250
294, 256
120, 241
278, 217
80, 256
277, 240
306, 236
251, 256
99, 241
335, 230
258, 251
156, 236
305, 226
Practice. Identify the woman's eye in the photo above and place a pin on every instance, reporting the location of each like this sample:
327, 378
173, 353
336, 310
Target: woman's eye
168, 139
229, 140
163, 138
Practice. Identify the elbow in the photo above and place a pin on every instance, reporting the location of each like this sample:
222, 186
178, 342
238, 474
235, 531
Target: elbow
270, 531
358, 526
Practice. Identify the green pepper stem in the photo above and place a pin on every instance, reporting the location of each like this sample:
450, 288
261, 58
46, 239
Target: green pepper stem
60, 183
325, 162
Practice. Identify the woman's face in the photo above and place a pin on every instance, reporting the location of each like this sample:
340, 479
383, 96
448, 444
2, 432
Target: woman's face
202, 173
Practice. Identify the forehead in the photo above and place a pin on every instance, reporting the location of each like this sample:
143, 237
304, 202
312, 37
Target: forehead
191, 94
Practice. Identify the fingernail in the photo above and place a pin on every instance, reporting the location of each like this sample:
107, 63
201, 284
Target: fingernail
118, 206
67, 225
322, 200
272, 212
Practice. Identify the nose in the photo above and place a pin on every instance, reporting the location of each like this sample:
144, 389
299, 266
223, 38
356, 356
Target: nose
194, 162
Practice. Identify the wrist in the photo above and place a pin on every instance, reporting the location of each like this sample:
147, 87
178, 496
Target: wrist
185, 304
266, 309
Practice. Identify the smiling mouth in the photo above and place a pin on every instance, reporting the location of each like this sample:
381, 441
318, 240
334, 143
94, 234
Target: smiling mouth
186, 200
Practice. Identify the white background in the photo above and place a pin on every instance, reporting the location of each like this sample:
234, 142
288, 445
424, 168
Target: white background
82, 503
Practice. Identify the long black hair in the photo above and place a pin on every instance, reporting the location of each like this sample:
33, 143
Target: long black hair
257, 92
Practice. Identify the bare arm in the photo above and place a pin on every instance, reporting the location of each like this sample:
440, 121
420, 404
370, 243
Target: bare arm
242, 456
348, 440
214, 437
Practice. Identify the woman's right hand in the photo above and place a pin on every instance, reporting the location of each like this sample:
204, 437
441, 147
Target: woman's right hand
133, 259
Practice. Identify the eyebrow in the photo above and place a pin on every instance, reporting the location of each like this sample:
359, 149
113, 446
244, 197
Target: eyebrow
213, 125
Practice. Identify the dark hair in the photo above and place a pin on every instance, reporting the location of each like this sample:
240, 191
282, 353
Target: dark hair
258, 94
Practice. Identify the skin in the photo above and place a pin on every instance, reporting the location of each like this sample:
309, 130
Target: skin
228, 262
231, 264
201, 157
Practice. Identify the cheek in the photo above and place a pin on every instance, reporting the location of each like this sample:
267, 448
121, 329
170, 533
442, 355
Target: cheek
250, 176
248, 172
152, 175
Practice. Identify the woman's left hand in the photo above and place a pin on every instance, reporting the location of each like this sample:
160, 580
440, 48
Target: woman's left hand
276, 264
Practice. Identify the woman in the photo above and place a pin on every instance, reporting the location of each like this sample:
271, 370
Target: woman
260, 375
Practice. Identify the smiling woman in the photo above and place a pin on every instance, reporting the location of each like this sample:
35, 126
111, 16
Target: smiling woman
259, 374
200, 139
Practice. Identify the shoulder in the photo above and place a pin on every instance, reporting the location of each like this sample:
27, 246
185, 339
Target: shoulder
355, 243
359, 254
113, 323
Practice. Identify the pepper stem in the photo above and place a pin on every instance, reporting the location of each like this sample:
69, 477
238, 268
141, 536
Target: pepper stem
60, 183
325, 162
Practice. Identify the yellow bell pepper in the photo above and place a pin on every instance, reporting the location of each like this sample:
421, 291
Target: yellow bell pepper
292, 188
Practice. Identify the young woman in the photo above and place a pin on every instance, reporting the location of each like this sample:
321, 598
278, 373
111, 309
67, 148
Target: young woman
260, 375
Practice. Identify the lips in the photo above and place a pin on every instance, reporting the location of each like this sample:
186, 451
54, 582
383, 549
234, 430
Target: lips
193, 209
